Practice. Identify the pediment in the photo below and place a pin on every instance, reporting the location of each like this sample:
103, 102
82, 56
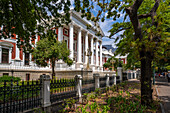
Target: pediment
6, 44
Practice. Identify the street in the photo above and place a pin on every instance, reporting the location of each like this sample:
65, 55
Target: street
163, 88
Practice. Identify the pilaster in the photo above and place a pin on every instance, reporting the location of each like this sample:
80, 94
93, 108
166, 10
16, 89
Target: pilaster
60, 34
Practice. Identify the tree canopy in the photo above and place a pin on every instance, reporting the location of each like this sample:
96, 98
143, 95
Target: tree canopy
145, 25
29, 17
50, 50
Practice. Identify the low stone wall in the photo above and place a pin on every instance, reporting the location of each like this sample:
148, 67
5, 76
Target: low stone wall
35, 74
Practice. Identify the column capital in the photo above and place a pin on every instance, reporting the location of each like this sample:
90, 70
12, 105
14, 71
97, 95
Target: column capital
80, 28
71, 23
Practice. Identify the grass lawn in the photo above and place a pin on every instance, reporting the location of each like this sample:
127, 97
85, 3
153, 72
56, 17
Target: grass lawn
122, 98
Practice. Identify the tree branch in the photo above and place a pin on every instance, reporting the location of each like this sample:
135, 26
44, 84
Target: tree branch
118, 31
144, 16
152, 13
136, 5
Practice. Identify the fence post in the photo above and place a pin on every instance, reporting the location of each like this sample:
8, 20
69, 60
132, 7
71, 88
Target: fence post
97, 82
107, 80
120, 72
132, 75
114, 75
79, 87
45, 91
135, 74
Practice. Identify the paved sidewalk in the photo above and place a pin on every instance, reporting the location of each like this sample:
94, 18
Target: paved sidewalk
163, 88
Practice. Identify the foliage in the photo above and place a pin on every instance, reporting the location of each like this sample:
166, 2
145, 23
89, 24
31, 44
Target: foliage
109, 65
28, 18
132, 62
123, 99
145, 28
70, 103
9, 78
51, 50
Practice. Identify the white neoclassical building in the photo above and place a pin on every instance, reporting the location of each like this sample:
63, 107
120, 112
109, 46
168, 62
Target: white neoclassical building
78, 39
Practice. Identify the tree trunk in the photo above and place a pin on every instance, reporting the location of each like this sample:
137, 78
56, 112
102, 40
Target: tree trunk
146, 74
53, 71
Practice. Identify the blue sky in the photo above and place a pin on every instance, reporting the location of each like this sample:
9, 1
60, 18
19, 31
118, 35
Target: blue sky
106, 25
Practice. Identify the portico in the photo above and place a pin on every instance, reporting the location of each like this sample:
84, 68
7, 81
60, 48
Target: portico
79, 40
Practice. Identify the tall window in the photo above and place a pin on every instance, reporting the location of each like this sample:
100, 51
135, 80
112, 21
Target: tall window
27, 77
27, 58
5, 55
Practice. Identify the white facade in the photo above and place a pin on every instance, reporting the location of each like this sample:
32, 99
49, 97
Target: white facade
78, 39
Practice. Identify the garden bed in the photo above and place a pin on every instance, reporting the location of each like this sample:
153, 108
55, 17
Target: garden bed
122, 98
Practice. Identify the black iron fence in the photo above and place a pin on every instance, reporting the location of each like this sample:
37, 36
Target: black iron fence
102, 81
19, 96
88, 85
117, 79
62, 89
124, 76
111, 80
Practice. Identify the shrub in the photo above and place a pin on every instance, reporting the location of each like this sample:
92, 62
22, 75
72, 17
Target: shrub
9, 78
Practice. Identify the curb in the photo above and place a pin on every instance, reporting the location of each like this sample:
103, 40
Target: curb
162, 108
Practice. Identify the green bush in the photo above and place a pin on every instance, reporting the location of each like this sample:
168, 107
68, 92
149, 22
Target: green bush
9, 78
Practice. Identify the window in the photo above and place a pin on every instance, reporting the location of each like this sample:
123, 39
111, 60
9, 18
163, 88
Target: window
5, 55
74, 47
27, 77
66, 42
27, 58
66, 32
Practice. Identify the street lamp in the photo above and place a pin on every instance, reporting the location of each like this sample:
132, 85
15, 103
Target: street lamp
112, 62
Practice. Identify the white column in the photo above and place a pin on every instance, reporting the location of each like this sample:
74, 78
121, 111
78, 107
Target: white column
0, 54
97, 56
92, 50
60, 34
17, 50
79, 47
86, 47
101, 54
71, 39
10, 54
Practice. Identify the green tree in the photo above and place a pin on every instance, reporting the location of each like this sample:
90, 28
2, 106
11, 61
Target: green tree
29, 17
110, 65
51, 50
133, 63
145, 26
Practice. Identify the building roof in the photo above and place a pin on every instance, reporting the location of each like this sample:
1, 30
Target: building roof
108, 47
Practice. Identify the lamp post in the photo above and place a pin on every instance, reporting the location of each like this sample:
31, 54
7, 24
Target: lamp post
112, 62
88, 54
